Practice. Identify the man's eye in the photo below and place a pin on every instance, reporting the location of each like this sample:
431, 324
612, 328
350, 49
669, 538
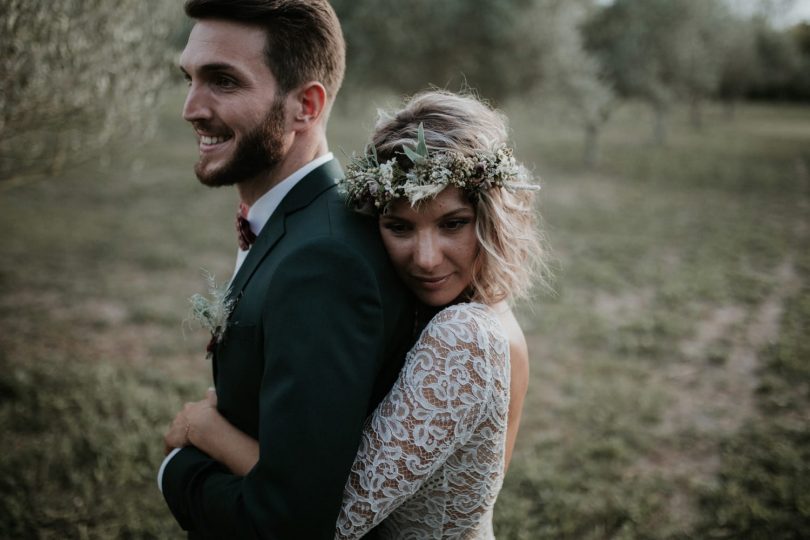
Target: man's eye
225, 82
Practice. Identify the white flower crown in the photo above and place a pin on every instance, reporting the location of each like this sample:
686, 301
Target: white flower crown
370, 185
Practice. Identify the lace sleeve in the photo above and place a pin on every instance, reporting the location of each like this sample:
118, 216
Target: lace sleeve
433, 408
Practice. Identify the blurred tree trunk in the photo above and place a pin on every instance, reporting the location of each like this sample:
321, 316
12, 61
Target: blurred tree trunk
659, 124
731, 109
696, 112
591, 154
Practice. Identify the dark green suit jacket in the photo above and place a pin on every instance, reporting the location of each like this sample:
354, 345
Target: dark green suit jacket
316, 338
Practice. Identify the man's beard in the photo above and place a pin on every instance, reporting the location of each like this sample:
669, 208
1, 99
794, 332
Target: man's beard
259, 151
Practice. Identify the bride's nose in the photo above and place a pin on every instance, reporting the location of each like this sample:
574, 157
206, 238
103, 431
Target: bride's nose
427, 251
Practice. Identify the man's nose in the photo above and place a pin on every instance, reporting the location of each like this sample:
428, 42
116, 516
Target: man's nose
428, 253
196, 106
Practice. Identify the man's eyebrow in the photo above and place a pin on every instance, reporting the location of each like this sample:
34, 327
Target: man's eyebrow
216, 67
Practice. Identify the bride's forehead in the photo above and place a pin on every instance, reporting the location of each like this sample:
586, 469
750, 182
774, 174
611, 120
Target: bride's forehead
449, 200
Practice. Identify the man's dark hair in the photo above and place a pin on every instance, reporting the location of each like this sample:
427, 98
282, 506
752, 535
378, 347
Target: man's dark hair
304, 39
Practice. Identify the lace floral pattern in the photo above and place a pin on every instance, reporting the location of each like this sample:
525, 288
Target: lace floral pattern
430, 461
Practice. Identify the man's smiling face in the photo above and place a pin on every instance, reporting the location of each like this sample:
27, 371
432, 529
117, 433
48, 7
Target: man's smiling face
232, 102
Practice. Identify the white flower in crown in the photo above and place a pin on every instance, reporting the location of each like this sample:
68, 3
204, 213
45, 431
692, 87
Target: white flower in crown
370, 185
387, 172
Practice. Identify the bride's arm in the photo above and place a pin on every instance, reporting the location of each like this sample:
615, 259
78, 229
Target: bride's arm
434, 407
201, 425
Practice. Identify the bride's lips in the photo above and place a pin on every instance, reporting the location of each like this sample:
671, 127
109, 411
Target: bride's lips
431, 283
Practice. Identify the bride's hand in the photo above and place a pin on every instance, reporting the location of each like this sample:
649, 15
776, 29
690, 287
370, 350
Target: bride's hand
204, 421
177, 434
195, 419
201, 425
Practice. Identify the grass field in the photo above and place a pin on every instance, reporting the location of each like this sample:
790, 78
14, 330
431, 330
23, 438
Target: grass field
670, 391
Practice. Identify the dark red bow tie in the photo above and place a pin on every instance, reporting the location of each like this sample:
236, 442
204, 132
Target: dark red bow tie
243, 232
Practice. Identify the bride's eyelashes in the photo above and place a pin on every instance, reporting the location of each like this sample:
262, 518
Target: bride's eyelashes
400, 227
455, 224
396, 226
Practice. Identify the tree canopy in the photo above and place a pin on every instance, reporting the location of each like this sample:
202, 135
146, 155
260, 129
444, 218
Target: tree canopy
77, 74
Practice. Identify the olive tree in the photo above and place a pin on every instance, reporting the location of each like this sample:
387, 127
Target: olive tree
407, 46
662, 51
76, 75
571, 74
700, 52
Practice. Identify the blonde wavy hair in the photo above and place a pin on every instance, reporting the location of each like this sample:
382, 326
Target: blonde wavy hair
512, 254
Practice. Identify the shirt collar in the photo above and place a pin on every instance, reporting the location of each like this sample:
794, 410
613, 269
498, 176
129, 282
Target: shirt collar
259, 214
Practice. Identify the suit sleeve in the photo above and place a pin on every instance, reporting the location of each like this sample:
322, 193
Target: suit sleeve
322, 326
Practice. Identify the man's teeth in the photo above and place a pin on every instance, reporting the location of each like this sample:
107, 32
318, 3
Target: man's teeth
212, 140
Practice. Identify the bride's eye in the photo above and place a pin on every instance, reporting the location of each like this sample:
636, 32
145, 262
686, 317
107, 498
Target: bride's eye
456, 224
396, 227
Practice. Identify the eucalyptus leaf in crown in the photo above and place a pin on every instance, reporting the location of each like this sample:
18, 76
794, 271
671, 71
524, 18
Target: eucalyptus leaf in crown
371, 185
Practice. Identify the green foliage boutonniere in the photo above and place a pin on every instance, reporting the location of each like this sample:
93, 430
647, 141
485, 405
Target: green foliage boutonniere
212, 311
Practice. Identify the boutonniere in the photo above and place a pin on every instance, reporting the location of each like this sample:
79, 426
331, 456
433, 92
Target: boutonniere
212, 311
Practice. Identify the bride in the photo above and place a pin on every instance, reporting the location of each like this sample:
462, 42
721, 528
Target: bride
456, 217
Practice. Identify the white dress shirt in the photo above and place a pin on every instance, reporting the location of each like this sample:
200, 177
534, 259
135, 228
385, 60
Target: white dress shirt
261, 211
258, 216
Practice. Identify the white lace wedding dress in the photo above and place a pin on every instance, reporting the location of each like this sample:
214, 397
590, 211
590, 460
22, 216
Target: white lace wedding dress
431, 458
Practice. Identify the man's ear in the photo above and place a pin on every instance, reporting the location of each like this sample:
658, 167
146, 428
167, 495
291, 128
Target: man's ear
310, 105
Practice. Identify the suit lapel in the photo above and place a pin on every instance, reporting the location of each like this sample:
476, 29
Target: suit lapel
300, 196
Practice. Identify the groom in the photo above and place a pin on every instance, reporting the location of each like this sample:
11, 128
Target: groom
320, 323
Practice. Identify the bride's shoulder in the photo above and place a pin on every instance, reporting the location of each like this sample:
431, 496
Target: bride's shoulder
464, 311
467, 321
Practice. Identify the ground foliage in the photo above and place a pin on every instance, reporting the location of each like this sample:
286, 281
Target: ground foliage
763, 485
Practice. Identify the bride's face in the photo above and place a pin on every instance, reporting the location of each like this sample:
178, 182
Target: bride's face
433, 247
